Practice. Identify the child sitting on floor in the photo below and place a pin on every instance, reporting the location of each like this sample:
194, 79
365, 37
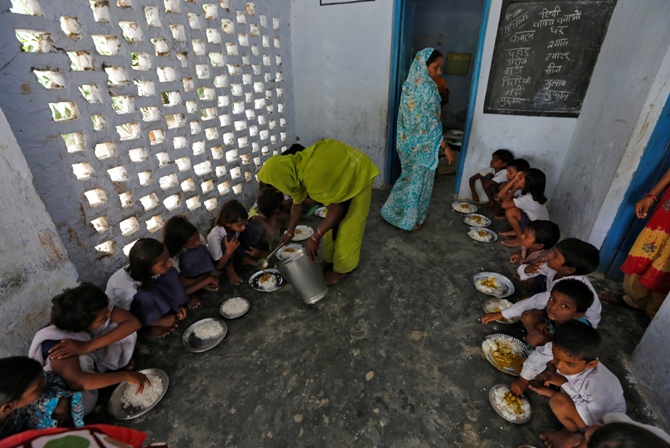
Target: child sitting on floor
189, 256
492, 177
529, 206
569, 299
76, 314
150, 288
31, 398
587, 389
234, 241
570, 258
267, 214
536, 241
512, 169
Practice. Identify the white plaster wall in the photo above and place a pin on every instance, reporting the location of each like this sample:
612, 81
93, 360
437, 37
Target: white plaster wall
652, 366
543, 141
620, 88
655, 101
35, 266
341, 70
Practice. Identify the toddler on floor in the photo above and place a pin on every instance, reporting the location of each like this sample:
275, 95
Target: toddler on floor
529, 206
267, 214
492, 177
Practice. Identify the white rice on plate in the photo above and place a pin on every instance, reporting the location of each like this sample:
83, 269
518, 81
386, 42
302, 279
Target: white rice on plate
497, 305
149, 395
480, 235
490, 285
465, 208
208, 330
234, 306
512, 408
267, 281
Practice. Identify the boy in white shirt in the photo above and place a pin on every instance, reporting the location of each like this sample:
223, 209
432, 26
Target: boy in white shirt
492, 177
587, 389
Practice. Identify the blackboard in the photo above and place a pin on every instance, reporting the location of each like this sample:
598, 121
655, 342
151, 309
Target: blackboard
544, 56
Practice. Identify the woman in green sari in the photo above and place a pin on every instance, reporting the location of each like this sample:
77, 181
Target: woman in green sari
338, 176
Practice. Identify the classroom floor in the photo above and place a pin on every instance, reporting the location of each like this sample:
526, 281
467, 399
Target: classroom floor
390, 358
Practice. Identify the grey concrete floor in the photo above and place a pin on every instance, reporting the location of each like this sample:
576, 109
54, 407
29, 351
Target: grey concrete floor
390, 358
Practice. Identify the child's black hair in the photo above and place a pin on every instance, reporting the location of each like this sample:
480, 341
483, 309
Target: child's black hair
75, 309
434, 56
294, 149
625, 435
504, 155
576, 290
578, 340
535, 183
519, 164
546, 233
268, 201
143, 255
581, 256
176, 232
231, 212
16, 374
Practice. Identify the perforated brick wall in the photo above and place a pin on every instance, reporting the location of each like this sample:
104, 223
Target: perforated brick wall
130, 111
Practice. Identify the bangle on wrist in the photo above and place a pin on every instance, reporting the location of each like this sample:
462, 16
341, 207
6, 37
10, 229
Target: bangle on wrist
317, 241
318, 230
651, 196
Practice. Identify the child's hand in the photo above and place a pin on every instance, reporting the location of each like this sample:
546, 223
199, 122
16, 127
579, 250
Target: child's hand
544, 391
475, 197
211, 283
533, 268
518, 177
491, 317
287, 237
231, 245
554, 379
515, 258
68, 347
181, 313
138, 380
544, 328
518, 386
253, 253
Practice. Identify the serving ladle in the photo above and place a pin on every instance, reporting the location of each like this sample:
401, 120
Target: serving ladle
263, 262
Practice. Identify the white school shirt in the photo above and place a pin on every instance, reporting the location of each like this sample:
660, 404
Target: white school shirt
539, 301
121, 289
595, 392
531, 207
214, 239
499, 177
537, 361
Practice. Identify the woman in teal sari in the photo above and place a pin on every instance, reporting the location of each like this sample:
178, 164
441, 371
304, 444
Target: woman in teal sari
418, 142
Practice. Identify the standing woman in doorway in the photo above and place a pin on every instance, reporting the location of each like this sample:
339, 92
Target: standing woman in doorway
418, 142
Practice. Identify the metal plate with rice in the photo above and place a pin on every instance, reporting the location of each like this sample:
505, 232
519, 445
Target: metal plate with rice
495, 305
301, 233
288, 251
121, 412
321, 212
235, 307
482, 234
254, 280
196, 344
502, 388
476, 220
501, 286
463, 207
505, 353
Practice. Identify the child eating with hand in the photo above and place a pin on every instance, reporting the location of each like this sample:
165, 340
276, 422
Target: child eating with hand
587, 390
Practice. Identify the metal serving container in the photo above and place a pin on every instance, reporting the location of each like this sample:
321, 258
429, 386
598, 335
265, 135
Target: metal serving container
305, 276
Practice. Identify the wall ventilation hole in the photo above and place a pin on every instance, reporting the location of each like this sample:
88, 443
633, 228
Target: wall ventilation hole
236, 89
156, 136
272, 124
202, 71
228, 138
74, 142
220, 81
254, 147
233, 70
208, 113
207, 186
166, 74
239, 15
266, 42
128, 131
210, 204
50, 79
213, 36
280, 108
95, 197
80, 60
154, 224
257, 69
99, 122
170, 99
172, 202
223, 101
278, 60
264, 134
282, 122
211, 11
118, 174
175, 121
240, 125
259, 87
246, 159
254, 49
82, 171
242, 142
196, 128
248, 97
149, 201
183, 59
266, 60
227, 26
231, 155
183, 164
161, 47
216, 60
237, 189
231, 49
193, 203
275, 24
34, 41
138, 155
257, 162
64, 111
106, 45
167, 182
273, 139
199, 147
126, 199
259, 103
282, 136
127, 247
254, 31
145, 178
276, 42
123, 104
105, 249
217, 152
253, 131
116, 76
250, 114
224, 120
269, 108
104, 151
172, 6
150, 114
224, 188
251, 9
211, 134
267, 77
280, 92
193, 21
261, 119
189, 85
91, 93
152, 15
129, 226
235, 172
163, 159
198, 47
220, 171
263, 20
247, 176
203, 168
100, 224
238, 107
27, 7
100, 10
265, 150
124, 3
70, 26
178, 32
179, 142
145, 88
131, 31
191, 106
243, 39
188, 185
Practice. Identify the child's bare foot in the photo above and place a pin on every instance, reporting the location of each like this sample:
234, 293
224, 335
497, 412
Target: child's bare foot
562, 439
333, 277
211, 288
514, 242
234, 279
159, 332
169, 322
607, 296
507, 233
193, 302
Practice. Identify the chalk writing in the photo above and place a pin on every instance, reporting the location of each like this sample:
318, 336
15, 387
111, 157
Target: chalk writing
553, 68
558, 56
522, 36
549, 83
553, 13
570, 17
562, 42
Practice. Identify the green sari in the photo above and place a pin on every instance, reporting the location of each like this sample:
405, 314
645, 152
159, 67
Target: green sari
329, 172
